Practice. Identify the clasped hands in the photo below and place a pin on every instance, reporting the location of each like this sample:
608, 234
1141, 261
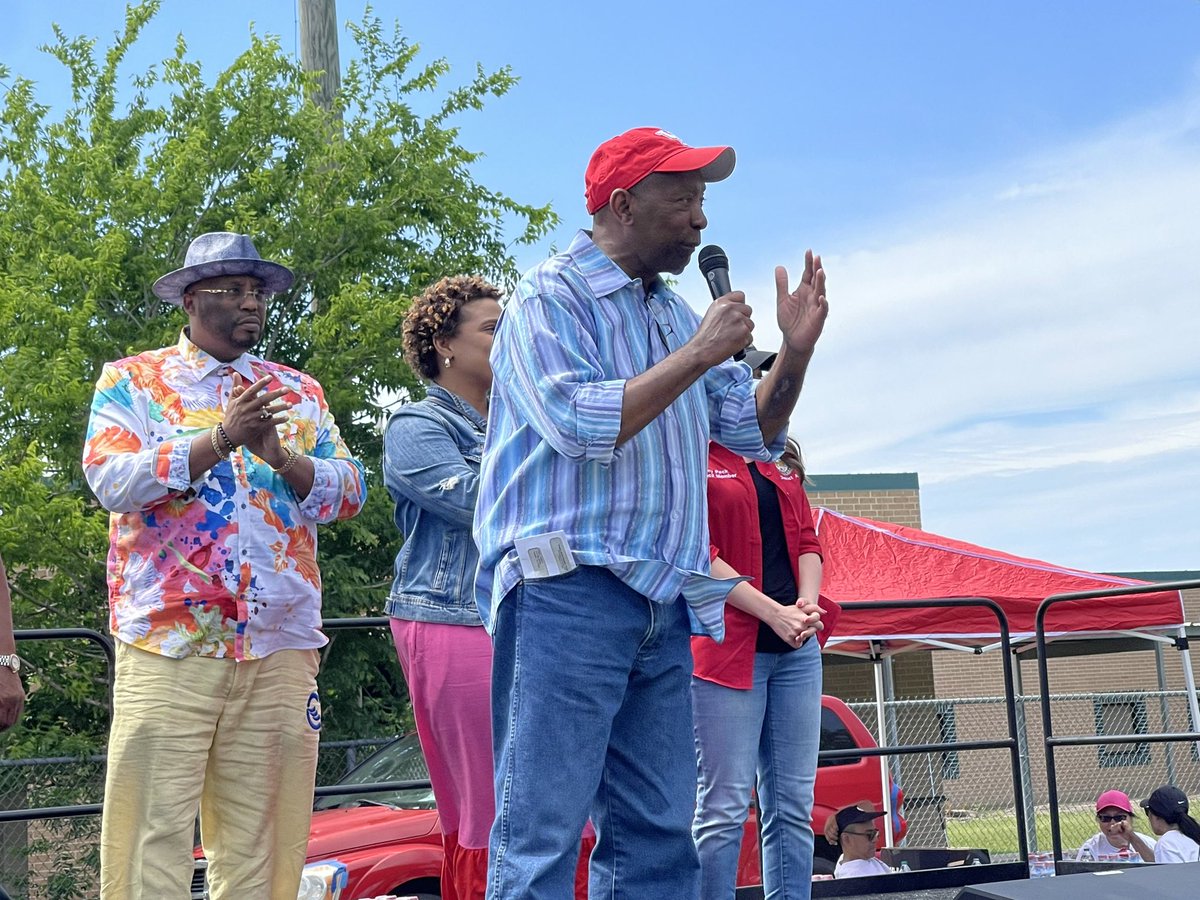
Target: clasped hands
252, 416
797, 622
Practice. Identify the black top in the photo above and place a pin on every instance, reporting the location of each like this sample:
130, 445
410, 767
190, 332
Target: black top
778, 581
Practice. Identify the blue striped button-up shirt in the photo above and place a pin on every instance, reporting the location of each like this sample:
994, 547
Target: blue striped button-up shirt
575, 331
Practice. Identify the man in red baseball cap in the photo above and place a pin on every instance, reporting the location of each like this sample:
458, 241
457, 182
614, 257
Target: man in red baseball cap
591, 523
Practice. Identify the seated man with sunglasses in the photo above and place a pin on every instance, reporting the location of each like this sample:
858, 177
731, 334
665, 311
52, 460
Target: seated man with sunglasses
1114, 813
856, 836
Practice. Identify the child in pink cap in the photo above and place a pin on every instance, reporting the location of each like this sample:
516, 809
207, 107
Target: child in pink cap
1115, 815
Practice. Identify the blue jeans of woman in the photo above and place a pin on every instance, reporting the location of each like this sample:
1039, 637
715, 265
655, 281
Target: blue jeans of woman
591, 715
774, 730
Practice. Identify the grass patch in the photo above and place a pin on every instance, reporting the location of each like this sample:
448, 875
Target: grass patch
996, 831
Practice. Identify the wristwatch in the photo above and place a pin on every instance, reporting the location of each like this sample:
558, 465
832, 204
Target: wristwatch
10, 661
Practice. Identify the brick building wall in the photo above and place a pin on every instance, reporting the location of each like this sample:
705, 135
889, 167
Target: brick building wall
890, 497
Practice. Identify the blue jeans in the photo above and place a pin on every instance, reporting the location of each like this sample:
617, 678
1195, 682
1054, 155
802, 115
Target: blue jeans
591, 716
774, 728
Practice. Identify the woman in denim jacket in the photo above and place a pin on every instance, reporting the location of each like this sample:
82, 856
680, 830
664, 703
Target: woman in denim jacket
431, 464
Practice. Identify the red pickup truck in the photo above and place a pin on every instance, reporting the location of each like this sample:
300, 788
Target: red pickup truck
390, 843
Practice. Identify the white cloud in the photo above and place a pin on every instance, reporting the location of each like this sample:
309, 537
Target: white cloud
1035, 327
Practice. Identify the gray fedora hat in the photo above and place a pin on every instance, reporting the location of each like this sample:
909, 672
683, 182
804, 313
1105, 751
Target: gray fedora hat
221, 253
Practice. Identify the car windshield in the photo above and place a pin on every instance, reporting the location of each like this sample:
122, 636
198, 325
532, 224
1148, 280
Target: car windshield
401, 760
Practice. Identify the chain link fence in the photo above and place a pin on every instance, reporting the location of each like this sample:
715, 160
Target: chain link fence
965, 798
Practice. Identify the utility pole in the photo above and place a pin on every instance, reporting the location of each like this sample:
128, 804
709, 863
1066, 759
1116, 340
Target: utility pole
319, 47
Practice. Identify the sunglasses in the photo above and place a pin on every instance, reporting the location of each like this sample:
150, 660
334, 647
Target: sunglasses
1107, 819
869, 835
238, 294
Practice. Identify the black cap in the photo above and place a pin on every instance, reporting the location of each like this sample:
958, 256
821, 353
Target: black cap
852, 815
1167, 802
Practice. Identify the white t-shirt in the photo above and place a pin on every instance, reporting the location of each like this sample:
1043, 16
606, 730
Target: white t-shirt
1098, 844
856, 868
1176, 847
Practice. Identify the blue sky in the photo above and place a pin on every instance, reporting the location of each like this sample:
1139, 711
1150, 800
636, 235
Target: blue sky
1005, 195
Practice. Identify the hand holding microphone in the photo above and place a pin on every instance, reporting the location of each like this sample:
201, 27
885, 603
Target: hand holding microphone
727, 326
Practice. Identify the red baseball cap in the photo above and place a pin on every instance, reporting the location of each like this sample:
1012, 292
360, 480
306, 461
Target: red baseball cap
1119, 799
623, 161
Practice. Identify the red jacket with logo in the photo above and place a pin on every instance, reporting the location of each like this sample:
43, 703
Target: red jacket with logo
734, 536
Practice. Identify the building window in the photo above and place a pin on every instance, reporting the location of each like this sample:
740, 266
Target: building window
949, 732
1121, 717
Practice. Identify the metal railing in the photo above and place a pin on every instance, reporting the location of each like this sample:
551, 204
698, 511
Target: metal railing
1011, 743
1051, 741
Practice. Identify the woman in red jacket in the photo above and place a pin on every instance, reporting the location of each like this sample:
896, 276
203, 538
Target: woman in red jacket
757, 695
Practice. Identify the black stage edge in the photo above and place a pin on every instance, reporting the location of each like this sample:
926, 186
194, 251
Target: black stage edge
1147, 881
904, 882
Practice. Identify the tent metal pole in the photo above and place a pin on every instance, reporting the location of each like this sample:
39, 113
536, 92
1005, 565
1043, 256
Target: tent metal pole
881, 727
893, 727
1164, 711
1189, 680
1029, 811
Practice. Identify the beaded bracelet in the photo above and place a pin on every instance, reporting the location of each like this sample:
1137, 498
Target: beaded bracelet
291, 461
225, 437
212, 436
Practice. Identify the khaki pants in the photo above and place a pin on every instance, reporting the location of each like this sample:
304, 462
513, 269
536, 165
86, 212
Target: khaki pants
236, 741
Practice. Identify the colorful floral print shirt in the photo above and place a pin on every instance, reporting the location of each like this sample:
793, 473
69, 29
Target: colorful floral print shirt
226, 565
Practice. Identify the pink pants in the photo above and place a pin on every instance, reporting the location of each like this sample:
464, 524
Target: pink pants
449, 670
449, 673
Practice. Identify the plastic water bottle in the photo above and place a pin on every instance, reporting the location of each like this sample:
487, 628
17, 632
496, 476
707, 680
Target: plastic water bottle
904, 866
1041, 865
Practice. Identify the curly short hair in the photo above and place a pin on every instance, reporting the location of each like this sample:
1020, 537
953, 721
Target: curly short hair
437, 313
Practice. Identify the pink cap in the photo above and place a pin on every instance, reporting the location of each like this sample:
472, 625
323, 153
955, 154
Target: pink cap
1114, 798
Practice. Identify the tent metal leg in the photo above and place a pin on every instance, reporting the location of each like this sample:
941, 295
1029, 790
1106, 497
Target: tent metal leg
1189, 680
1029, 811
1164, 711
881, 728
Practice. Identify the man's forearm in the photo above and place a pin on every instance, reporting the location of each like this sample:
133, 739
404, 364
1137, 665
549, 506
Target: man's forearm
780, 389
649, 394
8, 644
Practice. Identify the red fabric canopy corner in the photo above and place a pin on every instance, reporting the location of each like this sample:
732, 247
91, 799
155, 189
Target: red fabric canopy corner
869, 560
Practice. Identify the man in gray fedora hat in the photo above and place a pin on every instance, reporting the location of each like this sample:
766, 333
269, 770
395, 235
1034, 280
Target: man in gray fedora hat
216, 467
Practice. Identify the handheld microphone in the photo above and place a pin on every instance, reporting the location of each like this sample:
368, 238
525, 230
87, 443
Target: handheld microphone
714, 266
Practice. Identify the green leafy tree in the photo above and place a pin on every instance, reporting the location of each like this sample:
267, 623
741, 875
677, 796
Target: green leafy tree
367, 203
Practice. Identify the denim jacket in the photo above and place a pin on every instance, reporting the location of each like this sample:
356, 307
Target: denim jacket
431, 453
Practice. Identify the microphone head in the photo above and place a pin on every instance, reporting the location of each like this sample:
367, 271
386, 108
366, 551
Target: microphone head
712, 257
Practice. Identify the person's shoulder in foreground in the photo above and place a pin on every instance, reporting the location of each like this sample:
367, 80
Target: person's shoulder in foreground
1176, 847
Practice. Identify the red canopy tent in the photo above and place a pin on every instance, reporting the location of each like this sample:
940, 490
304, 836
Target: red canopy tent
869, 560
